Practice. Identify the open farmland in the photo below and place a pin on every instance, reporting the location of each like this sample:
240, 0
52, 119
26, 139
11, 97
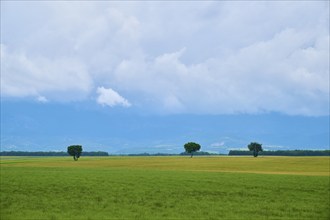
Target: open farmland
165, 188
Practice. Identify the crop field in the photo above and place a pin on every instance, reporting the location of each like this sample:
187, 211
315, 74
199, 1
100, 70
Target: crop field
165, 188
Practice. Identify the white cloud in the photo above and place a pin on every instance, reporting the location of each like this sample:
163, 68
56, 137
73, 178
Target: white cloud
42, 99
111, 98
205, 57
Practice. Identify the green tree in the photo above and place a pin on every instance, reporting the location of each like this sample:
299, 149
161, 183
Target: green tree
255, 147
192, 147
75, 151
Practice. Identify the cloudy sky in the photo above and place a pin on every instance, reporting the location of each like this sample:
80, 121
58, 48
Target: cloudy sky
141, 62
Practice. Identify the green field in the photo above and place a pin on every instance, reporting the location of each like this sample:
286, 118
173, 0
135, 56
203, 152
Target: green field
165, 188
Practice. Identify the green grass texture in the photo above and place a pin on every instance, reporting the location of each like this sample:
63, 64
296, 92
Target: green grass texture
165, 188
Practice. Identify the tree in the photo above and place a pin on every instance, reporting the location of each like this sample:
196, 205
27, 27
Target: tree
255, 147
75, 151
192, 147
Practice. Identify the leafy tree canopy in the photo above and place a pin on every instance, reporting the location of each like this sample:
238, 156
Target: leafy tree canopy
255, 147
75, 151
192, 147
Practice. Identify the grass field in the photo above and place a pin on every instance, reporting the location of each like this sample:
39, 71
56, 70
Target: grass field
165, 188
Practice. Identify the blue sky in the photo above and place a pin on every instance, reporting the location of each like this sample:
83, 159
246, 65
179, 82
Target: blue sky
149, 76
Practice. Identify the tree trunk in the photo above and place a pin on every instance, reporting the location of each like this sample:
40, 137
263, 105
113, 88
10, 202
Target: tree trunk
191, 155
255, 153
75, 158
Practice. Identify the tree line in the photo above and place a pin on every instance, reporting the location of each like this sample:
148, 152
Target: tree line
282, 153
255, 149
50, 153
201, 153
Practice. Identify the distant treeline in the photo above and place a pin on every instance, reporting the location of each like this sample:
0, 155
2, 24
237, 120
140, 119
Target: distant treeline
282, 153
145, 154
50, 153
199, 153
165, 154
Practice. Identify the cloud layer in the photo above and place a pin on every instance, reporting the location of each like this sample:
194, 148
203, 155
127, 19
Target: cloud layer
170, 57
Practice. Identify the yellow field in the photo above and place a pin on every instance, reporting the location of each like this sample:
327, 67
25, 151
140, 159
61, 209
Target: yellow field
317, 166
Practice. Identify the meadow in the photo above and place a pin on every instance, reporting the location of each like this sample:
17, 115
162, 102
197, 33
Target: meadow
165, 188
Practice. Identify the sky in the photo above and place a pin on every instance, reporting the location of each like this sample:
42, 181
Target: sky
134, 77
